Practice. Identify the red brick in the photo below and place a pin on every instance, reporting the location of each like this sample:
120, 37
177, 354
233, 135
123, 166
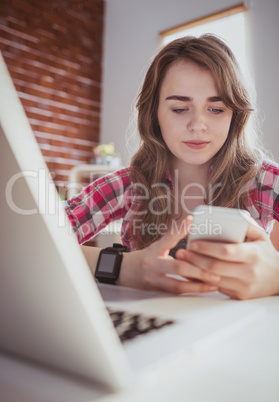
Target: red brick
54, 54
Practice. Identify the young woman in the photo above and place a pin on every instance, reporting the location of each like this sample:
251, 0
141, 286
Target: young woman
193, 111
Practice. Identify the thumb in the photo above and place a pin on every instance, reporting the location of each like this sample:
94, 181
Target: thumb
176, 232
255, 232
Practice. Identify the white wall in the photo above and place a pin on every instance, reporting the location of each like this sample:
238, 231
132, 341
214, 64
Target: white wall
131, 38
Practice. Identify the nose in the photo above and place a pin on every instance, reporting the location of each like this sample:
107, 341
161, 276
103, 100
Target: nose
197, 123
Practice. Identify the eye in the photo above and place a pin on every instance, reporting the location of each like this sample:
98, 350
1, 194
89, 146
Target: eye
179, 110
216, 111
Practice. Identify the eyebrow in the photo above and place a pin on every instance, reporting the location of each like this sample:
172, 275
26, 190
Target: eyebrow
189, 99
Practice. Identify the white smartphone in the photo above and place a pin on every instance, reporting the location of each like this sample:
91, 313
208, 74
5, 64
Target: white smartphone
227, 225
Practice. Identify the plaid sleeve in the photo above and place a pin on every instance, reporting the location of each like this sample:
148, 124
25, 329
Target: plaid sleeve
269, 190
101, 202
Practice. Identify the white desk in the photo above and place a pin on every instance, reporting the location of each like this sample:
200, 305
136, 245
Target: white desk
244, 367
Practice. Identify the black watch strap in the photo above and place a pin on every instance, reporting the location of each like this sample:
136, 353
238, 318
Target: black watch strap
117, 246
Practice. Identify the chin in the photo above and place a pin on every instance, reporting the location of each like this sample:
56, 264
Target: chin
195, 161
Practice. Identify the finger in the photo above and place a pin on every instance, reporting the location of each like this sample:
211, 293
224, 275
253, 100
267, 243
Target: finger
170, 239
220, 268
176, 286
238, 280
235, 252
169, 266
236, 289
255, 232
189, 221
174, 283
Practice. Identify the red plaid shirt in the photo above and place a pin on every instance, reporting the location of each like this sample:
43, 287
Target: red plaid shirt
106, 200
111, 198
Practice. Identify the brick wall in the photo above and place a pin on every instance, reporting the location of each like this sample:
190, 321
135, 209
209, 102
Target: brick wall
53, 50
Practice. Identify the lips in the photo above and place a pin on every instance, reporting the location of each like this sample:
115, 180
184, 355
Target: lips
197, 144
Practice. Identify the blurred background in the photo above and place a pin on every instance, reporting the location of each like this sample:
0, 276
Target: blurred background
78, 65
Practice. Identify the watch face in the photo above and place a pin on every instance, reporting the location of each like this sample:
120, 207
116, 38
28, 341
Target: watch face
108, 266
107, 263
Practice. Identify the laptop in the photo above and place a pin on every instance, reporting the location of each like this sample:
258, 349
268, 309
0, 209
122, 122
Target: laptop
53, 313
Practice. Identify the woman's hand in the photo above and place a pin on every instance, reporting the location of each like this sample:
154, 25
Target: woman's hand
247, 270
149, 268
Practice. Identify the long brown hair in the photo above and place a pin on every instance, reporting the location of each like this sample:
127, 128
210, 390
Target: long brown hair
234, 165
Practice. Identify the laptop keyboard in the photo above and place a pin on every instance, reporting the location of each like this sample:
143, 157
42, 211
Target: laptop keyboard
129, 325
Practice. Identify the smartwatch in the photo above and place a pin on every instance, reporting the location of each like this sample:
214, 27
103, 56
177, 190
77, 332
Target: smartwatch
109, 263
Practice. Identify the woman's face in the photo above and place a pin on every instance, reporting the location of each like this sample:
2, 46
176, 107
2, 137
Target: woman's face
194, 121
